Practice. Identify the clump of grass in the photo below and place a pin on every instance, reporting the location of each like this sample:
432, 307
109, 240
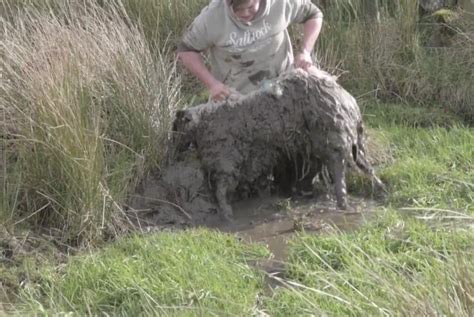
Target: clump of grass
394, 266
160, 20
87, 112
187, 273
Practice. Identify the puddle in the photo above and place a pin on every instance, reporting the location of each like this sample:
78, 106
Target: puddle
269, 220
273, 221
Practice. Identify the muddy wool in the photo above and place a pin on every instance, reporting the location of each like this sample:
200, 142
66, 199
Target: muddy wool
300, 115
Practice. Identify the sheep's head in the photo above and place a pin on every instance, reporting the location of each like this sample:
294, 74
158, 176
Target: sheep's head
183, 129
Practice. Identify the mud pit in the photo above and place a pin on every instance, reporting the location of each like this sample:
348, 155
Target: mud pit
270, 220
236, 160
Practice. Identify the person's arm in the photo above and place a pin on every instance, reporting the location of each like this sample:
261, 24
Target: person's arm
193, 61
311, 30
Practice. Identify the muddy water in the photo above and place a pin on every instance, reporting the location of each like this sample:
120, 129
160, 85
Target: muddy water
273, 221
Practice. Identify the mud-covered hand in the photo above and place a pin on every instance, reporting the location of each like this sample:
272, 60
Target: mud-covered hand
303, 60
219, 92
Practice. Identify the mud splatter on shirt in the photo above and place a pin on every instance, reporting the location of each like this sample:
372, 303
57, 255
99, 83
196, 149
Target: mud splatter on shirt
262, 46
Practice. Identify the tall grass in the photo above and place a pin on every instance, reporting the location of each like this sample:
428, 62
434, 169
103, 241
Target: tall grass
163, 20
383, 47
160, 20
87, 109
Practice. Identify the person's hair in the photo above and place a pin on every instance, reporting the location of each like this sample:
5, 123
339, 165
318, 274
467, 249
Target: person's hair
237, 3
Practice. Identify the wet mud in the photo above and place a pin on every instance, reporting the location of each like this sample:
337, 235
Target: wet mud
233, 166
271, 220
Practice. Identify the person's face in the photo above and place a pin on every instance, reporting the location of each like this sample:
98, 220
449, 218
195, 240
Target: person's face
246, 12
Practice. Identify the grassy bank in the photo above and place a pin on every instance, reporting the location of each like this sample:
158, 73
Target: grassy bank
188, 273
394, 266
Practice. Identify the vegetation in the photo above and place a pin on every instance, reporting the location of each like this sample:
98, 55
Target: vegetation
88, 110
189, 273
394, 266
88, 92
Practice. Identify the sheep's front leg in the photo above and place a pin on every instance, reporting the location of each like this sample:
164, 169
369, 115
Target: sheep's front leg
224, 185
338, 166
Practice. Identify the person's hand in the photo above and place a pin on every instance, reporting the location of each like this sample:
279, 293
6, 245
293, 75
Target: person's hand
219, 92
303, 60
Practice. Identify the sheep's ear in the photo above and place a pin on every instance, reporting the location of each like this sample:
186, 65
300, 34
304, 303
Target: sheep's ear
180, 114
184, 115
188, 116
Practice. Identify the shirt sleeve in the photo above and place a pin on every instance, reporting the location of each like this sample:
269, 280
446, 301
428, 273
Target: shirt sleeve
301, 11
197, 37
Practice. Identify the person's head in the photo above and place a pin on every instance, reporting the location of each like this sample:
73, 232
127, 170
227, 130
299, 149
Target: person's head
245, 10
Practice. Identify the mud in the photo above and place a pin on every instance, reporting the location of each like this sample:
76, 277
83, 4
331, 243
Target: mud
269, 220
263, 167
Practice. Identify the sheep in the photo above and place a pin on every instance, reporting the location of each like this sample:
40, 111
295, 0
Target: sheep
305, 115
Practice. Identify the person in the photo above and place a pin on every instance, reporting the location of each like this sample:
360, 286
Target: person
248, 43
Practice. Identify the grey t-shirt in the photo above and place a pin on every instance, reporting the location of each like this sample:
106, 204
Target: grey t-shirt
244, 54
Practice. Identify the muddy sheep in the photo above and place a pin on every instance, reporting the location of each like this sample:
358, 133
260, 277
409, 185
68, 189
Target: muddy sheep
305, 115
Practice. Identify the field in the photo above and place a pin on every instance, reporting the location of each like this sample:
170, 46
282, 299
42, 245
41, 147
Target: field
88, 94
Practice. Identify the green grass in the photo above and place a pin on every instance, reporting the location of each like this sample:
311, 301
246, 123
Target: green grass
184, 273
431, 161
432, 168
415, 258
394, 266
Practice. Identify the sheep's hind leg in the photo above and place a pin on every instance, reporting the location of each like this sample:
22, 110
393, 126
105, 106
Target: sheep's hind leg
337, 168
224, 185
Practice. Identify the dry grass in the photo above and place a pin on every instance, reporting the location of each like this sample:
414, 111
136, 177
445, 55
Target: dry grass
87, 109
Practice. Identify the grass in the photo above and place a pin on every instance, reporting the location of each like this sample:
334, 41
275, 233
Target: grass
394, 266
414, 258
431, 157
190, 273
89, 110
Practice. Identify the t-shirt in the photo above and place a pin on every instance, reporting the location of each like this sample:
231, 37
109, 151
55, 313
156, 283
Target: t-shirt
244, 54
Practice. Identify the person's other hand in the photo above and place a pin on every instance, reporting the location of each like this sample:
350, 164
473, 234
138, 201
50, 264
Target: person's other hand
303, 60
219, 92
